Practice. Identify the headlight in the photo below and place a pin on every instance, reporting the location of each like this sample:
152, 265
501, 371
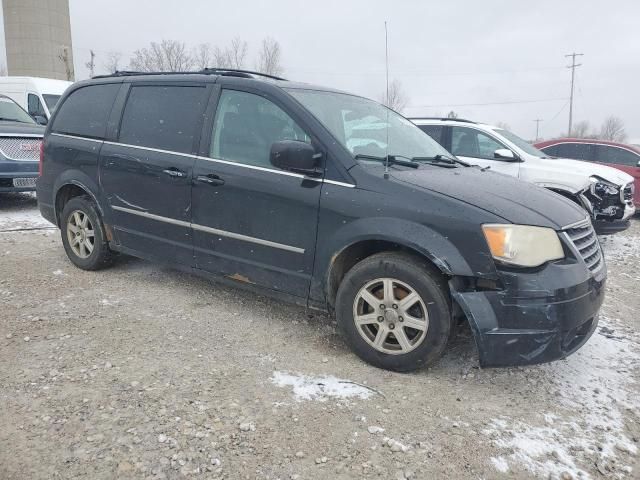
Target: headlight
600, 187
523, 245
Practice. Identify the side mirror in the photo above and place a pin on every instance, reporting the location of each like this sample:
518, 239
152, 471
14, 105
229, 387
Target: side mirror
506, 154
295, 156
40, 120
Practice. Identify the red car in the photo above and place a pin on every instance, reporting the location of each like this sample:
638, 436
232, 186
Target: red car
617, 155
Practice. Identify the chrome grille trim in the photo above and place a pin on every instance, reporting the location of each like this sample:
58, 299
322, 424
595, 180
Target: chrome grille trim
25, 149
584, 241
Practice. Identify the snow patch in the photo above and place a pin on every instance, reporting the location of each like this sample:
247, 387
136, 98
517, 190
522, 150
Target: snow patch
319, 388
12, 220
500, 464
619, 247
594, 386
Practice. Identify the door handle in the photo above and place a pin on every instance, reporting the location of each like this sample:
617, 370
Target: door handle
211, 179
174, 172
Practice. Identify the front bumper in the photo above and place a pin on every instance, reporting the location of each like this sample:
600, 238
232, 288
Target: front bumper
608, 227
537, 317
23, 171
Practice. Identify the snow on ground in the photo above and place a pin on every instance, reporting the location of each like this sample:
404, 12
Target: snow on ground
320, 388
593, 391
620, 246
20, 211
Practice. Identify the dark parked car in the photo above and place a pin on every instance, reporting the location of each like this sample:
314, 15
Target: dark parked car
618, 155
20, 139
276, 187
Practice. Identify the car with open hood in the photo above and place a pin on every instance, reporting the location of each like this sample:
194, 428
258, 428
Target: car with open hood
604, 192
20, 139
325, 199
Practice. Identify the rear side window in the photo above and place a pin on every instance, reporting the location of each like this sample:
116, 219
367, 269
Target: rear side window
163, 117
85, 112
553, 150
578, 151
434, 131
617, 156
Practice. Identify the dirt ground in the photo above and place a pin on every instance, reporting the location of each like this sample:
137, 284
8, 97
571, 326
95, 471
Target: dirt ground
144, 372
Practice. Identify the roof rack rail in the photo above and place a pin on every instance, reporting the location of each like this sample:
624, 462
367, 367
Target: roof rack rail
236, 72
444, 119
231, 72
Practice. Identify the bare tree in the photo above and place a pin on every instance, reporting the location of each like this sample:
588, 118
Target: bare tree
166, 56
222, 58
613, 130
269, 57
202, 56
452, 114
396, 99
503, 126
65, 58
581, 129
238, 52
112, 62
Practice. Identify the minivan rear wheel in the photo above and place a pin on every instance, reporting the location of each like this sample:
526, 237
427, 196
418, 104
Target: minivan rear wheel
394, 312
83, 234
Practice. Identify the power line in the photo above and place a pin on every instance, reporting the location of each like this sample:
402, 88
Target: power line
573, 67
508, 102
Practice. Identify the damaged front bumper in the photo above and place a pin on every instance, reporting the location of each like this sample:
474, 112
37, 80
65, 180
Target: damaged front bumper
610, 206
536, 317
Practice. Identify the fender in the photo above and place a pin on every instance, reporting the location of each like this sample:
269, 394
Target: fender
82, 180
419, 238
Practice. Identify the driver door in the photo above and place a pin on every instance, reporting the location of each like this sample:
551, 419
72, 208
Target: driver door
478, 148
253, 222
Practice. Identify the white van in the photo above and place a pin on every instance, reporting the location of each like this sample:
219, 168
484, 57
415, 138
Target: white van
38, 96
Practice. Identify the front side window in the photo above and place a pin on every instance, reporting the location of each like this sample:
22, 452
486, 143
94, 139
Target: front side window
246, 125
469, 142
616, 155
35, 105
10, 111
163, 117
85, 111
365, 127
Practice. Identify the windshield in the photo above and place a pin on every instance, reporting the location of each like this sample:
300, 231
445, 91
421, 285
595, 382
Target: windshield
365, 127
10, 111
520, 143
51, 100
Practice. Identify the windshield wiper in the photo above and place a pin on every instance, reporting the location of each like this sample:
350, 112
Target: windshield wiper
391, 159
441, 159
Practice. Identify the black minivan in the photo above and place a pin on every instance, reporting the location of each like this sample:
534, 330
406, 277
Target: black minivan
326, 199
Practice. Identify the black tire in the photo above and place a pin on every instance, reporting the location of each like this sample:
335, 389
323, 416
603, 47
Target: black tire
425, 281
100, 257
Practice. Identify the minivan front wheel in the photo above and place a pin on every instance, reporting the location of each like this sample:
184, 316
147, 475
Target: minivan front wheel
83, 235
393, 310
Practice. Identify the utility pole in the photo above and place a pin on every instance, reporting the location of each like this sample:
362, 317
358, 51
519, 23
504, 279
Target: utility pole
573, 67
538, 120
91, 63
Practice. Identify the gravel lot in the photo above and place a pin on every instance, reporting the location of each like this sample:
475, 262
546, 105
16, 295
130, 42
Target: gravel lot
144, 372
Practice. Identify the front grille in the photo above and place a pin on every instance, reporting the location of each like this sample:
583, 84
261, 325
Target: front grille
16, 148
584, 238
627, 193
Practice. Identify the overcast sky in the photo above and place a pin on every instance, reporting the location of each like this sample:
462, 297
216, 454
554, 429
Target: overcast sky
507, 56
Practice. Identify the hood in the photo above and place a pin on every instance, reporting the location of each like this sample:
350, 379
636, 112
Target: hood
512, 199
571, 173
17, 129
